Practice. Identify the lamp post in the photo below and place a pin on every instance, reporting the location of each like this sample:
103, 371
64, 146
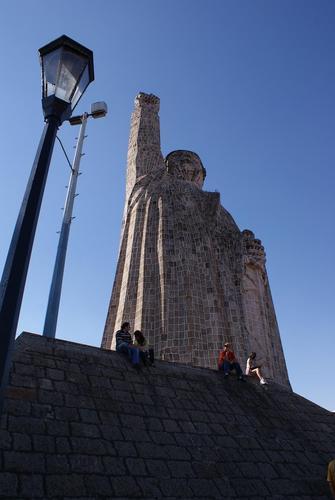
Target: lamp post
67, 70
98, 110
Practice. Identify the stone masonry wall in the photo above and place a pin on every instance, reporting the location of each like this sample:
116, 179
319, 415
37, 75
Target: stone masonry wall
80, 423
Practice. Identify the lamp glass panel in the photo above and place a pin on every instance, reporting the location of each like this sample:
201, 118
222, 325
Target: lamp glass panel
83, 83
50, 70
72, 65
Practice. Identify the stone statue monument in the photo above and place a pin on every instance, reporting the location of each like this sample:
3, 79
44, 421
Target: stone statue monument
186, 275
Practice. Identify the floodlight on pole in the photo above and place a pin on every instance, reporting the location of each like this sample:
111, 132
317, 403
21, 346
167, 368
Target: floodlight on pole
98, 110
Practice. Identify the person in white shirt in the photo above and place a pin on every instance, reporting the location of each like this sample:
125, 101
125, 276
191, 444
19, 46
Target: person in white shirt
254, 369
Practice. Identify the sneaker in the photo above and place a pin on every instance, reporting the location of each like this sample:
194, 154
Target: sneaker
241, 378
226, 375
263, 381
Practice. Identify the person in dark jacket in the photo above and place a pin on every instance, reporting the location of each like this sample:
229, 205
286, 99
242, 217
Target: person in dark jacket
124, 344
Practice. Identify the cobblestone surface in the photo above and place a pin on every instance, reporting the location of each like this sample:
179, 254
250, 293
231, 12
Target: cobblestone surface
197, 436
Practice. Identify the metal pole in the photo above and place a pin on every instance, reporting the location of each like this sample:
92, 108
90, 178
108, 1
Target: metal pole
50, 323
16, 266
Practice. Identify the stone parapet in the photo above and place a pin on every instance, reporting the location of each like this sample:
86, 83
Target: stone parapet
80, 422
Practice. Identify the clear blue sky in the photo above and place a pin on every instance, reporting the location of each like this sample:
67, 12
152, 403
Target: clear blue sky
248, 85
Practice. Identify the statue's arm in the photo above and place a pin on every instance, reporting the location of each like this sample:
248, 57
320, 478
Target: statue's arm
144, 149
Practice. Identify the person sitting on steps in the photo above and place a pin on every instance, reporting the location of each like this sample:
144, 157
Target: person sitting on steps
124, 344
142, 344
253, 369
228, 362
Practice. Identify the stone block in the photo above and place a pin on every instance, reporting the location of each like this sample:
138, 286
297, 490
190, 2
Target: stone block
179, 414
45, 384
228, 470
187, 426
133, 422
125, 449
162, 437
43, 411
68, 414
153, 424
151, 450
45, 444
89, 446
170, 425
63, 485
57, 428
67, 366
124, 396
244, 488
136, 467
100, 381
109, 418
226, 442
135, 435
111, 433
57, 464
28, 369
15, 461
31, 486
175, 487
55, 374
89, 416
5, 440
156, 412
62, 445
212, 454
157, 468
23, 381
150, 487
28, 425
204, 488
226, 490
50, 397
249, 470
84, 430
86, 464
180, 469
79, 401
99, 486
8, 485
132, 409
20, 406
199, 416
115, 466
126, 486
21, 442
205, 469
43, 362
65, 387
177, 452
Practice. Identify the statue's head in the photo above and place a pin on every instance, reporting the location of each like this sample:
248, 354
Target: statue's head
186, 165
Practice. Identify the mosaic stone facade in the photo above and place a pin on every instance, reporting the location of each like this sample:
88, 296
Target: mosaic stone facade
186, 275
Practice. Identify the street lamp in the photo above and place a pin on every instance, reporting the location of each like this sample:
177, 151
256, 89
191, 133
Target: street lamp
67, 70
98, 110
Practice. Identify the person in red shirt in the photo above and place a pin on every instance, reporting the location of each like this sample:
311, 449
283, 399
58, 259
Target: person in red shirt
227, 362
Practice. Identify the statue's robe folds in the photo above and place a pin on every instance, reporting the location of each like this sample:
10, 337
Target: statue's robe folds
186, 275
